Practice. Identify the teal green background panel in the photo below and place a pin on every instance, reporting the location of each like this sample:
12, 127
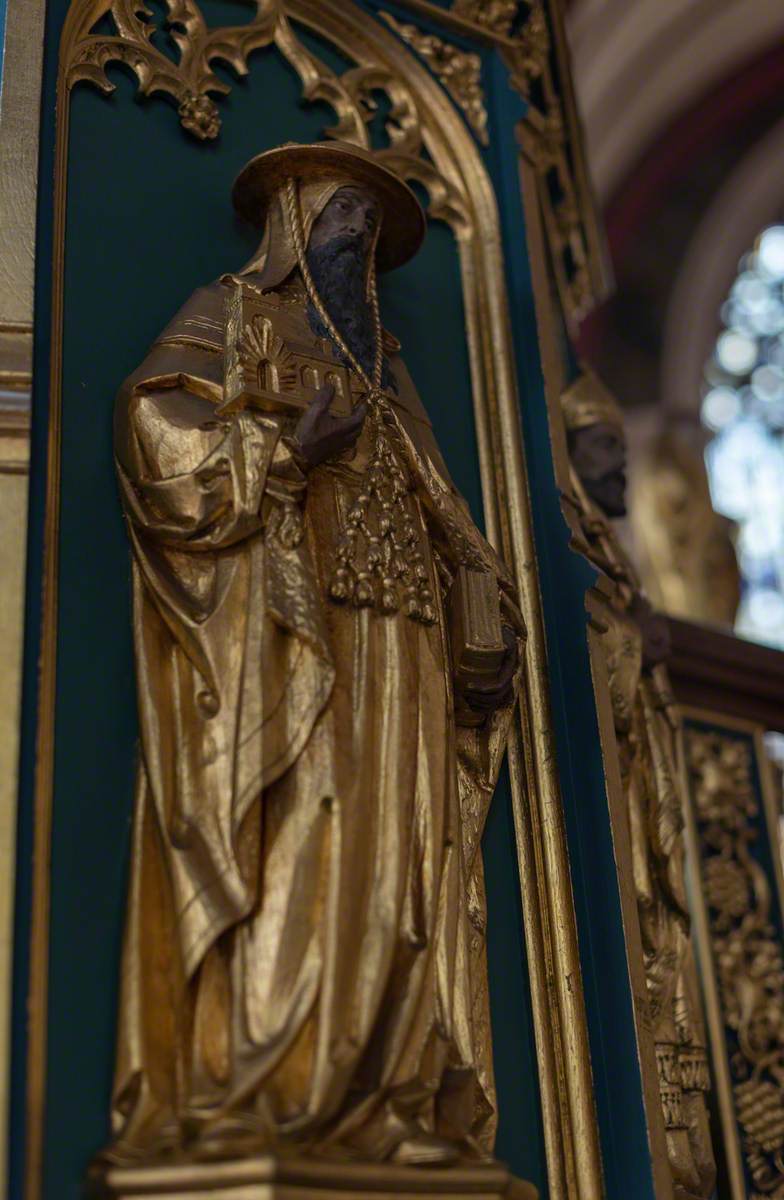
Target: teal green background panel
148, 220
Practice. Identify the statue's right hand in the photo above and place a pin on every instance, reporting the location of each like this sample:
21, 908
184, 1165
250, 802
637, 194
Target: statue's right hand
319, 436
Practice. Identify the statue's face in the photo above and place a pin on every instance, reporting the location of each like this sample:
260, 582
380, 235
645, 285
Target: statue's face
338, 252
598, 454
352, 213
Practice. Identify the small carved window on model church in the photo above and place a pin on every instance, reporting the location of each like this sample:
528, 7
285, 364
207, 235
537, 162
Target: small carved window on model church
336, 381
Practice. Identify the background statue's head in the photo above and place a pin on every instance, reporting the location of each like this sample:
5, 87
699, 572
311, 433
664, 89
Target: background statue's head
596, 441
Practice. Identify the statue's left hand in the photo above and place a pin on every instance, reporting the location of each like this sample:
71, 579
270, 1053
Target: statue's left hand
499, 692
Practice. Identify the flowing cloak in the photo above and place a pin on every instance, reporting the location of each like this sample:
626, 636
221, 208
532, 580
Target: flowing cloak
304, 953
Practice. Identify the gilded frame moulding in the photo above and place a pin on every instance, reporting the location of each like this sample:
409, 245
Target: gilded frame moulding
550, 137
740, 948
188, 81
421, 117
22, 57
19, 120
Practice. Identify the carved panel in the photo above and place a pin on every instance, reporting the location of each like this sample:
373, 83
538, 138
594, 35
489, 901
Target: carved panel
189, 79
530, 36
551, 138
743, 961
496, 15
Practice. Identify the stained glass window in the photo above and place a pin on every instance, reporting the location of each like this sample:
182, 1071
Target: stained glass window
743, 407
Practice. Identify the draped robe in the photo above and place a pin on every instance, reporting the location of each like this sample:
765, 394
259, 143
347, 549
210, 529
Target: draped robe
304, 959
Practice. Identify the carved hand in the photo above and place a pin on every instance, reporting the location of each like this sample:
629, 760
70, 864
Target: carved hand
655, 633
319, 436
495, 694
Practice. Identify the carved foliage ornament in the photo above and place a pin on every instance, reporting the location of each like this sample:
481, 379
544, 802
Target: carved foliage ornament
746, 946
460, 72
496, 15
189, 80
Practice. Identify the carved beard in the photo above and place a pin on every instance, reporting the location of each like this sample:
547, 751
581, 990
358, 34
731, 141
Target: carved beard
338, 270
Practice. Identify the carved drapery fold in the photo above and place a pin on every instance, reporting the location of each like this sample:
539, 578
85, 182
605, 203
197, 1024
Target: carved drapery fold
549, 135
459, 71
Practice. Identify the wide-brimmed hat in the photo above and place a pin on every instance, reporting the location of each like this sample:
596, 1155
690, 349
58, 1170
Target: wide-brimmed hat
403, 221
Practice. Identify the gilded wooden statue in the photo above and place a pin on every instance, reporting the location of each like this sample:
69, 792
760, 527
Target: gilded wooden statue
646, 722
327, 652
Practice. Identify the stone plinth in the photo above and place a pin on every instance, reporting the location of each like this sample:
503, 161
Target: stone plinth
276, 1179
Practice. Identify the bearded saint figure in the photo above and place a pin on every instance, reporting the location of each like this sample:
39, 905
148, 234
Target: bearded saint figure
304, 963
636, 643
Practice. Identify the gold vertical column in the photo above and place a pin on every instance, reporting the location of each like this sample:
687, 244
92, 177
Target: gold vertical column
20, 89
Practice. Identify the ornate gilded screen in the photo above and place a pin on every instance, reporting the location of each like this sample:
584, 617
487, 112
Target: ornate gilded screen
157, 108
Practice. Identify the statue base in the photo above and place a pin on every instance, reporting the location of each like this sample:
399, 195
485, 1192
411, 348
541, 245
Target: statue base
300, 1179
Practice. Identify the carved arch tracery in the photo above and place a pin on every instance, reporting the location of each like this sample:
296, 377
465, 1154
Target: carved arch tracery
190, 78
